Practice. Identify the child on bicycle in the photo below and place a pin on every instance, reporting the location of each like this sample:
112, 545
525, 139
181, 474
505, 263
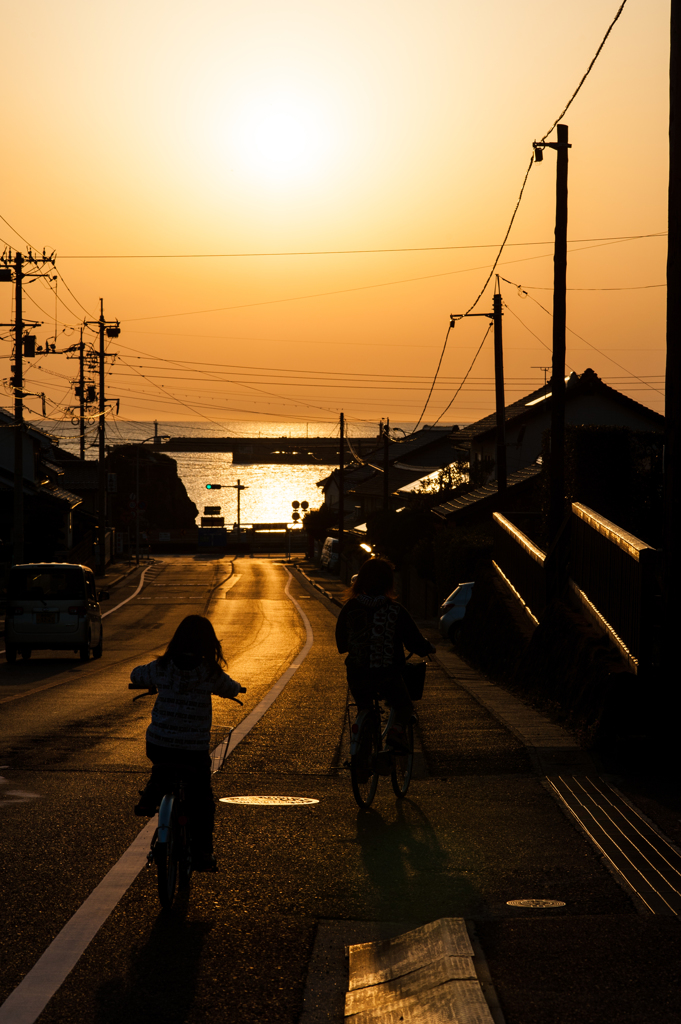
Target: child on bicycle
178, 738
374, 630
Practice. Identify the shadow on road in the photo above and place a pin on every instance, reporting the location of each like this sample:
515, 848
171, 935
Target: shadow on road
161, 980
411, 875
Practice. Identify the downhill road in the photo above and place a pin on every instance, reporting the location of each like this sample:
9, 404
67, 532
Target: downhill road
296, 882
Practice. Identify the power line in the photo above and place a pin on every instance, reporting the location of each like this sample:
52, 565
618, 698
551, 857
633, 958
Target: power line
591, 345
310, 252
517, 205
586, 73
489, 328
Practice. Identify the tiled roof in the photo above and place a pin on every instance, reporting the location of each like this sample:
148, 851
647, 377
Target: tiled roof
585, 383
449, 508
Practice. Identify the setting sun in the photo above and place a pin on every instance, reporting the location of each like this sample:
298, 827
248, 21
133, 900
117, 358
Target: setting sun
282, 137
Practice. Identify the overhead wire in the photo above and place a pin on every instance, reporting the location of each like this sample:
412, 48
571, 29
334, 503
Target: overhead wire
489, 328
586, 342
515, 211
310, 252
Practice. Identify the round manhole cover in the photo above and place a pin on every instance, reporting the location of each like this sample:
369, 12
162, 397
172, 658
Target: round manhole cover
536, 904
269, 801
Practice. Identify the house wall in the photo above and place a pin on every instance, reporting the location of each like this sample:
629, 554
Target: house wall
7, 453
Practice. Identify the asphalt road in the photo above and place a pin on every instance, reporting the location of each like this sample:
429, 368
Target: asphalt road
478, 829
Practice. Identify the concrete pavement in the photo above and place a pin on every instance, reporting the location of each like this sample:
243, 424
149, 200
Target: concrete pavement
478, 829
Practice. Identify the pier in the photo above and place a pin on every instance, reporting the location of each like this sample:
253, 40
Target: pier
272, 450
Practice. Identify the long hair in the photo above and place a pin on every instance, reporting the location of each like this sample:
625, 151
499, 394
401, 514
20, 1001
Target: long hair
375, 579
195, 635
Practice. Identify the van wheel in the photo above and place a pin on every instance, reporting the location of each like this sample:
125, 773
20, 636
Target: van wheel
25, 653
84, 652
97, 651
10, 653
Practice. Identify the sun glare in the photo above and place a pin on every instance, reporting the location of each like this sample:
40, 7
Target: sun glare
283, 138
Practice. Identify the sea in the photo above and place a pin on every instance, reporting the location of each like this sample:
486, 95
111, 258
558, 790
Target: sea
269, 491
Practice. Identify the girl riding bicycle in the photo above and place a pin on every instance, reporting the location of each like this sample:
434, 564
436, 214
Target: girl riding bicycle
178, 737
374, 630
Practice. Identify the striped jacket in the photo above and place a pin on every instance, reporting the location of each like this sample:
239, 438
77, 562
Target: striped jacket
183, 712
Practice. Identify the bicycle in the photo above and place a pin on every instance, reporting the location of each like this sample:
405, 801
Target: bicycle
170, 848
370, 758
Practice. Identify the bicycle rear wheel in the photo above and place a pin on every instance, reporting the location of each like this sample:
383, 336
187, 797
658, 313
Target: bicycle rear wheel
364, 762
403, 765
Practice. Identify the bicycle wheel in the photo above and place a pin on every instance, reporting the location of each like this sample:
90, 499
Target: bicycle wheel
364, 762
166, 856
184, 857
403, 765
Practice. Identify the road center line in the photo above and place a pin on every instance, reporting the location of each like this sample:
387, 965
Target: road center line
28, 1000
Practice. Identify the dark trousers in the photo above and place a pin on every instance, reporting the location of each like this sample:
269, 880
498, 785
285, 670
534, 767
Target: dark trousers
193, 766
367, 684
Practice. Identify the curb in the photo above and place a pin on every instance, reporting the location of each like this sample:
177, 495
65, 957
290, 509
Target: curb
327, 594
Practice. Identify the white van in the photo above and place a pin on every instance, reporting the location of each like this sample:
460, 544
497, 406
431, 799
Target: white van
329, 559
53, 606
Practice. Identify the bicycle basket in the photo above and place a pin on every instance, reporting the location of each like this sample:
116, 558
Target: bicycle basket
219, 745
414, 678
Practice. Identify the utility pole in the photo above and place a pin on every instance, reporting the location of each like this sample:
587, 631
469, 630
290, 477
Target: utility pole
18, 382
499, 389
671, 545
557, 469
81, 387
386, 466
106, 329
341, 489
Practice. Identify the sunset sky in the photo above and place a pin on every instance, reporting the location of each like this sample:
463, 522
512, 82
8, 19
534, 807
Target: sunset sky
160, 148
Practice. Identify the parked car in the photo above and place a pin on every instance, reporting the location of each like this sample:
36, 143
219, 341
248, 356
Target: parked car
453, 609
329, 559
53, 606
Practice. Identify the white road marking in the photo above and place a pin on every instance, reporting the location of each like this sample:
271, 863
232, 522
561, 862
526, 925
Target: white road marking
140, 585
18, 796
32, 994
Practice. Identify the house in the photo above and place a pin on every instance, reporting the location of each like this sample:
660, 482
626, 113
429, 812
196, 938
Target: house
56, 526
588, 402
408, 461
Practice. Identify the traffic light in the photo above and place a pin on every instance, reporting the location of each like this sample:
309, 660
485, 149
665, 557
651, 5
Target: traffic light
213, 487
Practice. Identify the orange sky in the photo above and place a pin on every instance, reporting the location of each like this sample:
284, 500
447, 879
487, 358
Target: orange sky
149, 129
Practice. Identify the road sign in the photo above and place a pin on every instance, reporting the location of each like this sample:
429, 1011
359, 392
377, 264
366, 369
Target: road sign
212, 521
212, 510
295, 516
295, 504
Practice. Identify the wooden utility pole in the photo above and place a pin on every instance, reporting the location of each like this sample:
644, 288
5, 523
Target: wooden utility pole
499, 389
557, 470
18, 383
386, 466
672, 452
106, 329
341, 489
81, 387
101, 436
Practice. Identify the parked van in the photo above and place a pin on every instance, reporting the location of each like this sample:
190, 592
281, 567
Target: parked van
53, 606
329, 559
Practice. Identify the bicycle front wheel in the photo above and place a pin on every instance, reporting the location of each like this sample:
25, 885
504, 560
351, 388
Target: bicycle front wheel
364, 762
166, 856
403, 765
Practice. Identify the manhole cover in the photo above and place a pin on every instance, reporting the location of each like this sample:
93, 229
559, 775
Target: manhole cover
269, 801
537, 904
